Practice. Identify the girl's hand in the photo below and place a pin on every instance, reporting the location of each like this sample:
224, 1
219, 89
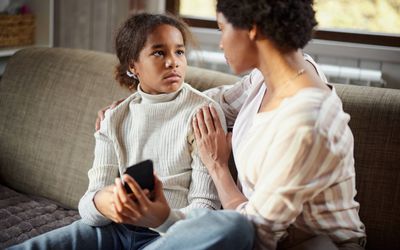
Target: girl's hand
137, 208
213, 145
104, 202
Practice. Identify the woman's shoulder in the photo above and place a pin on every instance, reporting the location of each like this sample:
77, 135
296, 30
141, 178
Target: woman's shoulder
311, 104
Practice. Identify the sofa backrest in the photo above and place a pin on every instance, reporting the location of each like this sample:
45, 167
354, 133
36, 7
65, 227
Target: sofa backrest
48, 104
375, 123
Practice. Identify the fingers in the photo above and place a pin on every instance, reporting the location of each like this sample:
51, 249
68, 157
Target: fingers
158, 189
125, 208
97, 126
114, 104
100, 117
197, 133
141, 198
101, 112
200, 123
215, 117
208, 119
205, 120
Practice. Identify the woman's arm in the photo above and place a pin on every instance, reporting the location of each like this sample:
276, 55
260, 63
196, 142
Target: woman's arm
214, 149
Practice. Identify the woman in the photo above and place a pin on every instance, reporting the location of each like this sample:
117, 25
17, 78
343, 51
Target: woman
292, 144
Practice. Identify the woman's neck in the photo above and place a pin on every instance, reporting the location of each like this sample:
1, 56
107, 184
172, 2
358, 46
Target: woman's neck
285, 74
280, 69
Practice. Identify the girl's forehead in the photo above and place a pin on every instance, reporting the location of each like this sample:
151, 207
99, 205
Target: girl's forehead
165, 33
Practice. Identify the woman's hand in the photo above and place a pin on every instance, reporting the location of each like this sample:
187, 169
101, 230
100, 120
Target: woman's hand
213, 145
214, 149
137, 208
100, 113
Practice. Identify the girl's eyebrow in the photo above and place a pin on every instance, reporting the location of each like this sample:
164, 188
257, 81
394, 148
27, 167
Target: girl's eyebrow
158, 46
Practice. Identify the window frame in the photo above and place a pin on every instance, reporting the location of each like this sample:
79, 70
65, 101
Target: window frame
338, 35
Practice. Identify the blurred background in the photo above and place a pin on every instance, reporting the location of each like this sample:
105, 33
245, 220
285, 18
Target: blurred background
356, 42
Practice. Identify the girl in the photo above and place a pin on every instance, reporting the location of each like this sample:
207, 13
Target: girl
153, 123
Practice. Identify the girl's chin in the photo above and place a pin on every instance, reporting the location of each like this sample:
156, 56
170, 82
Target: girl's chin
172, 87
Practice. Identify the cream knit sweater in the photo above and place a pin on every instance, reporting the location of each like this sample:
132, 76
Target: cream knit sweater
156, 127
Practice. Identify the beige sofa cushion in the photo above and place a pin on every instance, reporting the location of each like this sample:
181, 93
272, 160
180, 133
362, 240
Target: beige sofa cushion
52, 97
375, 122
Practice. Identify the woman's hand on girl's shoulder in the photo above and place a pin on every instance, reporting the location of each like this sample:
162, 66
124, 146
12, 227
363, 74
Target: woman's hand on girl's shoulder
101, 112
213, 144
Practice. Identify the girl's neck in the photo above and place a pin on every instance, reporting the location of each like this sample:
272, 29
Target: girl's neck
158, 98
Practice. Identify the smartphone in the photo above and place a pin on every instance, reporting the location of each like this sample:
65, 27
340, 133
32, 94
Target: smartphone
142, 173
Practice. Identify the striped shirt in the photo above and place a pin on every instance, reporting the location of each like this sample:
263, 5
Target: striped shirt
296, 165
232, 97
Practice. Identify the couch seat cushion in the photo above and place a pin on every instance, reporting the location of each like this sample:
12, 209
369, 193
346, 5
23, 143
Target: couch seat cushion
23, 217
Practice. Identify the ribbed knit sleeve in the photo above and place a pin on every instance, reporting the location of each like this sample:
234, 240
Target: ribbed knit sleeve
202, 191
102, 174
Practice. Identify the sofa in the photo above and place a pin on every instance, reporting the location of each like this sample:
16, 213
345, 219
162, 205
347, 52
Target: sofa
49, 98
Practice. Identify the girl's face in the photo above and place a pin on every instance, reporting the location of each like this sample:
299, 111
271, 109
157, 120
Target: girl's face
161, 66
239, 48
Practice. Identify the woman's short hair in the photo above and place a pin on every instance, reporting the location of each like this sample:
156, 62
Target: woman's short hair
289, 23
132, 36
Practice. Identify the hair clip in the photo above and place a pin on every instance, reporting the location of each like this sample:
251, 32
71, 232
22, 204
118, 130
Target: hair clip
132, 75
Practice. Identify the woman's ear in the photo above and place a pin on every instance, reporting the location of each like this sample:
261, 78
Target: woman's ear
253, 33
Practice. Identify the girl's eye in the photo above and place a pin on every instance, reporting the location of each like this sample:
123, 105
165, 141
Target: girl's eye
158, 53
180, 52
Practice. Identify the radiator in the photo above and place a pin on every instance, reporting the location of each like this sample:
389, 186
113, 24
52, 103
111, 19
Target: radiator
334, 73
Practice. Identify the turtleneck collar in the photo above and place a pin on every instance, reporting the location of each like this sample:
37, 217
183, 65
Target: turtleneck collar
159, 98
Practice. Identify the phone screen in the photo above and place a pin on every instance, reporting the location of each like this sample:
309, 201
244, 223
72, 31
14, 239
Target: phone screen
143, 174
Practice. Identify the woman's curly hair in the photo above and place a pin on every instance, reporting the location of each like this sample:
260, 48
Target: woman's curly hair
289, 23
131, 38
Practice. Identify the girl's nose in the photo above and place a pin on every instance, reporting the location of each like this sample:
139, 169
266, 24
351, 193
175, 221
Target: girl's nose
171, 63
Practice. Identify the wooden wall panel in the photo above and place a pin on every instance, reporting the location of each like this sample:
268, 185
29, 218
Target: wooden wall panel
88, 24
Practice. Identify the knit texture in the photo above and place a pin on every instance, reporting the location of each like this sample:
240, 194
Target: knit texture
137, 130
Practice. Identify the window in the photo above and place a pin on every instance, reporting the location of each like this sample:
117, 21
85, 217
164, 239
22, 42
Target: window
374, 22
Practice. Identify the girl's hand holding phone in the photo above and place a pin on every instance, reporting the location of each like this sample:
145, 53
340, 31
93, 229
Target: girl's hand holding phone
136, 208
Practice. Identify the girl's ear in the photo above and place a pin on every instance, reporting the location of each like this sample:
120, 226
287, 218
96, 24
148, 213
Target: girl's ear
132, 68
253, 33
